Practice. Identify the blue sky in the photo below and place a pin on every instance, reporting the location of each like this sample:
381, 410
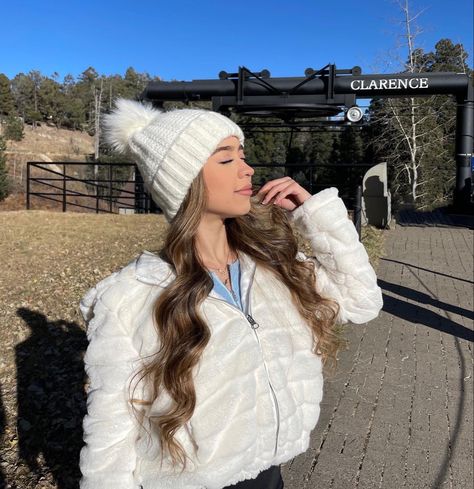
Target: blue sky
187, 40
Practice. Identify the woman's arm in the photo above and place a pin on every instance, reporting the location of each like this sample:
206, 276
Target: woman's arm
107, 460
343, 270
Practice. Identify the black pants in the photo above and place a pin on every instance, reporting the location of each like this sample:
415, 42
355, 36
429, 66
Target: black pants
268, 479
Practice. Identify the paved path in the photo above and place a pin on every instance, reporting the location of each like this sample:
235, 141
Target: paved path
399, 411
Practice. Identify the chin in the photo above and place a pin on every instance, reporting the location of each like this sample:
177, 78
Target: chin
237, 213
246, 209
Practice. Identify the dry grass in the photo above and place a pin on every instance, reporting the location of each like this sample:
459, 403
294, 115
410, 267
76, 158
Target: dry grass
52, 142
373, 239
49, 261
44, 144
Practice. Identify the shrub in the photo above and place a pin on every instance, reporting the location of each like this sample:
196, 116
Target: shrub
13, 128
4, 182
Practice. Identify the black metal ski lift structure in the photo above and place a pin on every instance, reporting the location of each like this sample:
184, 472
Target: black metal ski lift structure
323, 94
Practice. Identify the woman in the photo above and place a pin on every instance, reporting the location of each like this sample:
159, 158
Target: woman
205, 358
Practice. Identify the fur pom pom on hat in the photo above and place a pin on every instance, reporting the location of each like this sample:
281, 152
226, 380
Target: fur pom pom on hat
169, 147
128, 118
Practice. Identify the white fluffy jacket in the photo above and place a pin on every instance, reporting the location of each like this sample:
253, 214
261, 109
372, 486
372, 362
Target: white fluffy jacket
258, 384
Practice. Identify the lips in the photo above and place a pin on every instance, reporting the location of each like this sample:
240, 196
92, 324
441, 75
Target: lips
248, 187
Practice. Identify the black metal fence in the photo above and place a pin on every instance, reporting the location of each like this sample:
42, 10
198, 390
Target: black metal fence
108, 194
111, 195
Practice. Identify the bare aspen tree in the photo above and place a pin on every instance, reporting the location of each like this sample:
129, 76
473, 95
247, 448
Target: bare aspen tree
97, 113
36, 79
410, 129
462, 58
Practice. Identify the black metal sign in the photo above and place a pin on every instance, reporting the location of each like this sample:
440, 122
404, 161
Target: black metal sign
327, 92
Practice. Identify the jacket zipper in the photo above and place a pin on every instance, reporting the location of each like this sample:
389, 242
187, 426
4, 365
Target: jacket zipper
277, 410
254, 325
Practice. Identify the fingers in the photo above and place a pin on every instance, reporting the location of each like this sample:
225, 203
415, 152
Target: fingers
278, 188
268, 185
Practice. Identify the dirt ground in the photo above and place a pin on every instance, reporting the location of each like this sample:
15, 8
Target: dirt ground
49, 260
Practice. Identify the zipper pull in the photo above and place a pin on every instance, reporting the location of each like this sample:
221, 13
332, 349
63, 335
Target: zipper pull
252, 321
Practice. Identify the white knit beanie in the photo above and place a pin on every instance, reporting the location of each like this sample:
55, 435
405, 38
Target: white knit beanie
169, 148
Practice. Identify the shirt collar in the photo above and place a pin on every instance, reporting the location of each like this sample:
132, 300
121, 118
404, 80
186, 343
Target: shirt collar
152, 269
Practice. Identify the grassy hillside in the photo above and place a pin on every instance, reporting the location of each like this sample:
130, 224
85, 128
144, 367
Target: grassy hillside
46, 144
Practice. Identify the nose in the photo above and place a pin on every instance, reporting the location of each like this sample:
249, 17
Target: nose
247, 168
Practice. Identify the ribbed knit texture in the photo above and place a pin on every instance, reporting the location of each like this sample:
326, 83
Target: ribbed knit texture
171, 147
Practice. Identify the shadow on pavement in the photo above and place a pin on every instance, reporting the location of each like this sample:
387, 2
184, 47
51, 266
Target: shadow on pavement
440, 217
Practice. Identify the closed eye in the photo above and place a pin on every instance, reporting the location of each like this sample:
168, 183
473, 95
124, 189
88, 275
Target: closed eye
230, 161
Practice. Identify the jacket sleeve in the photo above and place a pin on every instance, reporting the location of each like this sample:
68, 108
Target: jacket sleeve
108, 458
343, 270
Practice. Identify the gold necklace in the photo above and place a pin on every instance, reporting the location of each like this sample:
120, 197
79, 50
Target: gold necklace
221, 269
224, 270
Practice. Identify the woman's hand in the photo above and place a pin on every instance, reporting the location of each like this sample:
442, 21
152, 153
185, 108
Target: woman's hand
288, 193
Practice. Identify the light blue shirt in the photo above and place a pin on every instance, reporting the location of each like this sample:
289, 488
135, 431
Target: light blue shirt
223, 291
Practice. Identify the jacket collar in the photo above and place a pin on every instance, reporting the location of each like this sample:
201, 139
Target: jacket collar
152, 269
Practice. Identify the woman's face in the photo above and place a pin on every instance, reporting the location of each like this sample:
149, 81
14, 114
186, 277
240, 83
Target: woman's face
225, 172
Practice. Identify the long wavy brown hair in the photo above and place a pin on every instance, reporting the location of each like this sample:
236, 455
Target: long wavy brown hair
265, 233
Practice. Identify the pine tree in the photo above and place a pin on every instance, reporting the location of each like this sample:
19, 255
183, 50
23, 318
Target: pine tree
7, 103
22, 89
13, 128
50, 103
264, 147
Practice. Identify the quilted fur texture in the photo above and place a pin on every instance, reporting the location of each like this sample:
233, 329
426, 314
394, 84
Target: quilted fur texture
240, 428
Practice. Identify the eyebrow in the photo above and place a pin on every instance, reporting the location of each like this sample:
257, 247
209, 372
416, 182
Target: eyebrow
226, 148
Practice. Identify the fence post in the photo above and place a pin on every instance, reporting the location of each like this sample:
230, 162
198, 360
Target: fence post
110, 188
96, 174
64, 187
28, 185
